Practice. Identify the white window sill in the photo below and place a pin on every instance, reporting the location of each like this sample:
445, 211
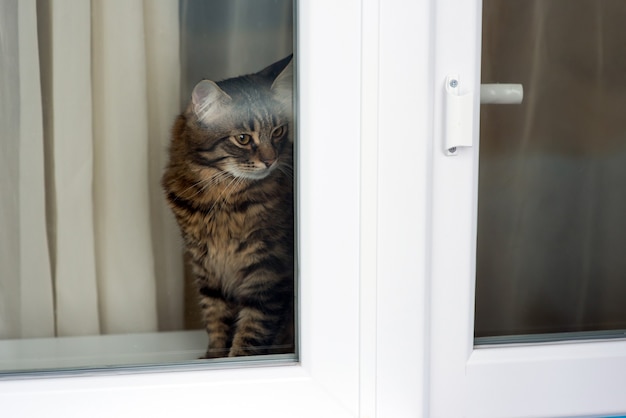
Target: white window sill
47, 354
156, 350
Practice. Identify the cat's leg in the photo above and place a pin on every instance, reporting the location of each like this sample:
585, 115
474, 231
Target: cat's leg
256, 333
264, 323
219, 316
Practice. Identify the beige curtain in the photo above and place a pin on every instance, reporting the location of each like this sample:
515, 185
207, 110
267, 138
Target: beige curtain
87, 94
26, 299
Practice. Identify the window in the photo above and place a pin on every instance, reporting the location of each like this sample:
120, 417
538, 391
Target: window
402, 271
325, 382
549, 245
576, 378
91, 267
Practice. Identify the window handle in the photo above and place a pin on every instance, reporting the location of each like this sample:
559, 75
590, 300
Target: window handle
501, 93
459, 117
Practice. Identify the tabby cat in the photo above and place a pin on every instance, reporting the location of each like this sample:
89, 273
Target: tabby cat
229, 183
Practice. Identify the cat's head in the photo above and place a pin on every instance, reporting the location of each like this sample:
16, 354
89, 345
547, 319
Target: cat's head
243, 126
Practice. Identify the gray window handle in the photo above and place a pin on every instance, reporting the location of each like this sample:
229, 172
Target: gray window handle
501, 93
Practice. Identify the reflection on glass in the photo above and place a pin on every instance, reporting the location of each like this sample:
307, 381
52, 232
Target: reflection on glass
91, 262
552, 185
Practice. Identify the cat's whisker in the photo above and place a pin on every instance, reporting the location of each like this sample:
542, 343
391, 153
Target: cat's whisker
221, 198
202, 185
212, 181
230, 189
181, 178
287, 170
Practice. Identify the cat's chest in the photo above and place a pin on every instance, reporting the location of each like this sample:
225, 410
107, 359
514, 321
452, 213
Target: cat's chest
220, 236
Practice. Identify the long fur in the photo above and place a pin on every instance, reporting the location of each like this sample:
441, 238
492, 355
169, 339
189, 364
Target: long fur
229, 183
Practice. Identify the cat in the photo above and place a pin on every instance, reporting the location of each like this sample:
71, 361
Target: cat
229, 182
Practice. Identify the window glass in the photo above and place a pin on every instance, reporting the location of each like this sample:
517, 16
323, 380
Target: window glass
552, 183
147, 211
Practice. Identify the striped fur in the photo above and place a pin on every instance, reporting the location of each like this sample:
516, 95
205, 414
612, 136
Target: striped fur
229, 183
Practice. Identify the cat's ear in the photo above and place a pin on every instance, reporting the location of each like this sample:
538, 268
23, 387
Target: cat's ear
272, 71
283, 86
207, 98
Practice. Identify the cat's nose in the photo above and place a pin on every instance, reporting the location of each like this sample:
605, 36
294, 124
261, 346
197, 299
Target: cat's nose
268, 162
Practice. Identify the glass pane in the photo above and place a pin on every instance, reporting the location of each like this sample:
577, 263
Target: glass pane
100, 178
552, 185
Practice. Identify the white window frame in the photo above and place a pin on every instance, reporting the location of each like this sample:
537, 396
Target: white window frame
540, 380
387, 243
362, 348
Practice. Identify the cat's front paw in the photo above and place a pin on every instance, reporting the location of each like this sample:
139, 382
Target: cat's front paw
212, 353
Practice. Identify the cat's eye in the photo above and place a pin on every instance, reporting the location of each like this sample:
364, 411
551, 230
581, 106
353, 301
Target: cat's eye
243, 139
278, 133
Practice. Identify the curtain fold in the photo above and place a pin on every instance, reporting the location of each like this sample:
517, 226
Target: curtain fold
87, 94
36, 275
64, 33
10, 291
125, 265
163, 81
26, 300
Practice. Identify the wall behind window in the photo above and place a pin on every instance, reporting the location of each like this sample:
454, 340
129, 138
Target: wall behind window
226, 38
